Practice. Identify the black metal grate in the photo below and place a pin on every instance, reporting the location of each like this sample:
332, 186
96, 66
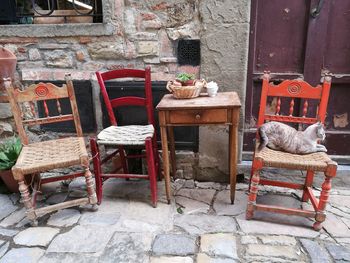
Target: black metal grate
189, 52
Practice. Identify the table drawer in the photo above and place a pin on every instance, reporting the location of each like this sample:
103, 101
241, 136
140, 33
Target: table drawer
198, 116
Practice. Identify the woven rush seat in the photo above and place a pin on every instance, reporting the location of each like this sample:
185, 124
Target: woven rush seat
125, 135
47, 155
278, 159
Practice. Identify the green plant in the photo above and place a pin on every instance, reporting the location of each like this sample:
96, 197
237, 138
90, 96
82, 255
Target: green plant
184, 77
9, 152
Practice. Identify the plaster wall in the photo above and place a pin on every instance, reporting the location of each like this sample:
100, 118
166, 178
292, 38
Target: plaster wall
224, 45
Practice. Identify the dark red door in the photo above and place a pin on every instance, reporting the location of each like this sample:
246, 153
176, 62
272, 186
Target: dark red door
291, 39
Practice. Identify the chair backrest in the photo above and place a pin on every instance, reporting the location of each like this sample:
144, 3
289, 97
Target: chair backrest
127, 100
43, 92
287, 92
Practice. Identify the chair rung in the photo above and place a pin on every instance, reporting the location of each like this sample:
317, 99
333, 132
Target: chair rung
109, 156
51, 208
141, 176
281, 184
286, 211
312, 197
61, 178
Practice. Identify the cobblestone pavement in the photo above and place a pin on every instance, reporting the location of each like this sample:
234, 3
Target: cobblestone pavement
201, 226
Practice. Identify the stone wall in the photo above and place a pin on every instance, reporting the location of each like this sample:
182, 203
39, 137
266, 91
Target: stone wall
138, 34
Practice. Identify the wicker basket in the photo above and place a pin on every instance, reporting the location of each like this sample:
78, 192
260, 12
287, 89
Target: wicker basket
186, 92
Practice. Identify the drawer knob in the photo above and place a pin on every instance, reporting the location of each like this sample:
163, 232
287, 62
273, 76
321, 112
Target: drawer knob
198, 116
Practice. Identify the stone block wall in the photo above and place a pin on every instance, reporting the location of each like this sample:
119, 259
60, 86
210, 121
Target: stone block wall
136, 34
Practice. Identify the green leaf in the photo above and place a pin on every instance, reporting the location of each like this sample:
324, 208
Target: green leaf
9, 152
179, 210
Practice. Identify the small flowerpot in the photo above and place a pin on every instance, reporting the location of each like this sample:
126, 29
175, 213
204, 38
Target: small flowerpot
187, 82
9, 181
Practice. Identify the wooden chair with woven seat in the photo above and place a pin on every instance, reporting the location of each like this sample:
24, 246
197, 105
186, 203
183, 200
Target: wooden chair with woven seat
142, 136
39, 157
291, 91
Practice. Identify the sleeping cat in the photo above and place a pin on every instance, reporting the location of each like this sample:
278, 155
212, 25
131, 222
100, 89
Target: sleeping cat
280, 136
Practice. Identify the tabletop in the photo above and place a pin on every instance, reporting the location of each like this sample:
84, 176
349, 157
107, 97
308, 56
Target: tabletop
221, 100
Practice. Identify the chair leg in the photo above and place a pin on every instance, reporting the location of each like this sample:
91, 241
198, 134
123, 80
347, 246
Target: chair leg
308, 183
326, 188
23, 189
97, 169
253, 189
89, 184
151, 171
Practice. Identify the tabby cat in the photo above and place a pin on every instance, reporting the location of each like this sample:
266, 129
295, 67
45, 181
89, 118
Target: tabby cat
280, 136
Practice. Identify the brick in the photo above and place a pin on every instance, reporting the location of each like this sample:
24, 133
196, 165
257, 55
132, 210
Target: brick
85, 40
18, 40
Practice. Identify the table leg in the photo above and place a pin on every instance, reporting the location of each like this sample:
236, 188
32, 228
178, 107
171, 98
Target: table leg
233, 142
165, 154
170, 130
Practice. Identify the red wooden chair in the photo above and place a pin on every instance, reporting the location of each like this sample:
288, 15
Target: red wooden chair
128, 135
315, 162
52, 154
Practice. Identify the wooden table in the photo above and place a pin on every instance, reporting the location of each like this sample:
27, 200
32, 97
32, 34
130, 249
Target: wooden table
221, 109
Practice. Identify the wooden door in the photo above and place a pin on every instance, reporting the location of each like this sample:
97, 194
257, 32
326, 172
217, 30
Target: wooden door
291, 40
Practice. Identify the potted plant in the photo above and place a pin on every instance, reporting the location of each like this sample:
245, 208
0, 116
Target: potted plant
185, 79
9, 152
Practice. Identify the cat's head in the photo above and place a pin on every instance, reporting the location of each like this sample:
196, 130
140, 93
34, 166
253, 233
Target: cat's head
320, 132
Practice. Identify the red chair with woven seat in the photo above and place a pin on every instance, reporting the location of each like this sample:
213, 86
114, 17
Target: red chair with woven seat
128, 135
311, 163
42, 156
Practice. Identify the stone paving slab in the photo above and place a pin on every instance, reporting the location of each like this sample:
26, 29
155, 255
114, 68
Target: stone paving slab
64, 218
189, 206
13, 218
219, 245
204, 258
316, 252
36, 236
7, 207
68, 258
222, 204
128, 247
171, 259
81, 239
4, 248
261, 227
201, 224
23, 255
174, 244
8, 232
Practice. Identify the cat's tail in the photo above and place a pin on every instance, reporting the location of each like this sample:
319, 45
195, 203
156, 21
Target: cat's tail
264, 140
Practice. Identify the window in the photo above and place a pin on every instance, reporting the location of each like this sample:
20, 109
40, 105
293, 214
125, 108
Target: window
55, 18
50, 11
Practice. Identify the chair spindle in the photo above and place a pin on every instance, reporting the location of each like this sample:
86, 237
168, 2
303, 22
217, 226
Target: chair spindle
58, 107
278, 107
32, 109
291, 107
46, 109
306, 104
